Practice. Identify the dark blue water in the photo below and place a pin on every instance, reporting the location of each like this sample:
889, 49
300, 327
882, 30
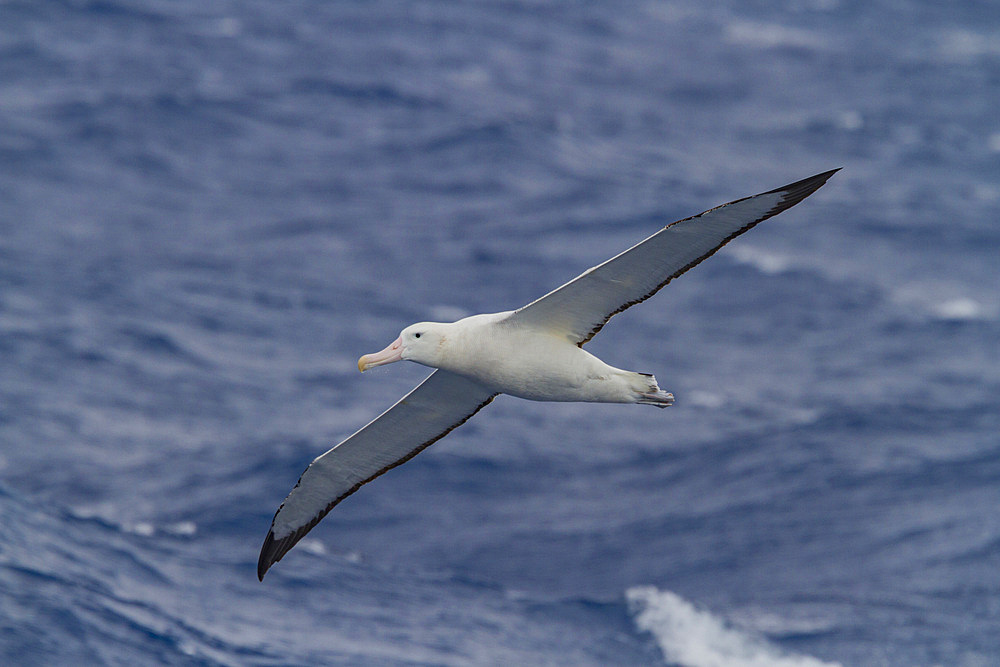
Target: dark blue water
209, 211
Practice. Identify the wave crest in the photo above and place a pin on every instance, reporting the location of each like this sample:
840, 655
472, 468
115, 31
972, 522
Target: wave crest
695, 638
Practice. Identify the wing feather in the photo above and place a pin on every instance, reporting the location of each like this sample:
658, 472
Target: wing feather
578, 309
441, 403
581, 307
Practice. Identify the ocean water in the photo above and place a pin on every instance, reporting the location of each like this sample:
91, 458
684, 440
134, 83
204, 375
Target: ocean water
208, 211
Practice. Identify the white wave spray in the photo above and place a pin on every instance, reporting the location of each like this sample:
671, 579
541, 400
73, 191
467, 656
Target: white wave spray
695, 638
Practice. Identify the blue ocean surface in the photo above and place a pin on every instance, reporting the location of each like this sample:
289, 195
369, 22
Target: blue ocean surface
208, 211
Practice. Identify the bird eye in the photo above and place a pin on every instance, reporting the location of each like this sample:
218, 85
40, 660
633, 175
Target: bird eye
416, 335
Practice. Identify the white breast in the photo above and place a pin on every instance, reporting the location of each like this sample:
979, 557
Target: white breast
534, 364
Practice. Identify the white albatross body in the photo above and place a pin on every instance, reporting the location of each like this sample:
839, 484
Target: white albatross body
534, 352
506, 356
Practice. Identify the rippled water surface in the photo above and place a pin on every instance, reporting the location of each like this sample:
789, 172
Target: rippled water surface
209, 211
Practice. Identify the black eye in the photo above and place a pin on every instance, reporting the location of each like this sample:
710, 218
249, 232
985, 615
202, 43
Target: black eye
416, 335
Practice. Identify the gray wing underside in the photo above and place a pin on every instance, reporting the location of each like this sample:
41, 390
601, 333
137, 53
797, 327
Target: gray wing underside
581, 307
439, 404
578, 310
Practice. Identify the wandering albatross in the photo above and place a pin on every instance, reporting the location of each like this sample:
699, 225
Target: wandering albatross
535, 352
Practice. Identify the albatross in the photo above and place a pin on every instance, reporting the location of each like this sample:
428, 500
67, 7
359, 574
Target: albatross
535, 352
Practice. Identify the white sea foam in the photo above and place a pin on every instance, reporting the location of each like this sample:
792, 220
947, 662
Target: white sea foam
705, 399
693, 637
961, 308
850, 120
141, 528
106, 512
765, 262
944, 302
182, 528
772, 35
313, 546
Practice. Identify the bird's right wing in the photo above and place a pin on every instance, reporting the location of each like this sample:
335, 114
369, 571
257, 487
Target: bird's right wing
439, 404
579, 309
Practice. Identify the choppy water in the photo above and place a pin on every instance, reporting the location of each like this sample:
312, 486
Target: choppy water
208, 212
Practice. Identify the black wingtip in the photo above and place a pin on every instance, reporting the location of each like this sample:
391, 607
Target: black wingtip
262, 561
274, 550
267, 553
799, 190
795, 192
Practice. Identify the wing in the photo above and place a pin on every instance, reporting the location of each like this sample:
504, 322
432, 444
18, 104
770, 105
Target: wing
439, 404
581, 307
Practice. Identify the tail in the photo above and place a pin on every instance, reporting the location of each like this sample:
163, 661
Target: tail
651, 394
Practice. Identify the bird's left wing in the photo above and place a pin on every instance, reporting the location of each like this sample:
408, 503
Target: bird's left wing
582, 306
439, 404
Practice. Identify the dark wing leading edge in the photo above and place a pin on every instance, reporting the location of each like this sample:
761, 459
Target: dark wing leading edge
578, 309
439, 404
581, 307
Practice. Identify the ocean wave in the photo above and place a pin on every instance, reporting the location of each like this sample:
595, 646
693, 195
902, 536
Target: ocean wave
925, 299
693, 637
772, 35
964, 45
945, 302
769, 263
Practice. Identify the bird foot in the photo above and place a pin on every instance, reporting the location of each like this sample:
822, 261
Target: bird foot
659, 398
